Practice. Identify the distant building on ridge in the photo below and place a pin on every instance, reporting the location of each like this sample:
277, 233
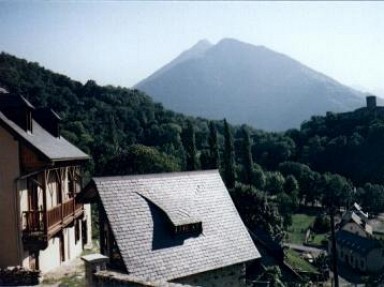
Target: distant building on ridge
355, 243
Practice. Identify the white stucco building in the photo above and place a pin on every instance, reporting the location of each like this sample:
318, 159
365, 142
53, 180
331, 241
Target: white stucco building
41, 223
355, 243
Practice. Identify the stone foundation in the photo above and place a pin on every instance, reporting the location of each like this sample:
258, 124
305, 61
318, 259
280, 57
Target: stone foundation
231, 276
18, 276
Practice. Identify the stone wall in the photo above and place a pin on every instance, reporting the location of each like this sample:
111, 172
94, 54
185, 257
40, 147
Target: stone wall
17, 276
231, 276
114, 279
98, 276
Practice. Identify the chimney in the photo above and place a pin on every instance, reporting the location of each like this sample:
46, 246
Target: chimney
371, 102
49, 120
17, 109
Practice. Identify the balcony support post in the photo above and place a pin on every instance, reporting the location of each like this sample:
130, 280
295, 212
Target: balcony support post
44, 188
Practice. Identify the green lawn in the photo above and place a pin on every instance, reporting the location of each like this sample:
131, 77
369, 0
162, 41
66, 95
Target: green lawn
300, 223
318, 238
298, 263
296, 232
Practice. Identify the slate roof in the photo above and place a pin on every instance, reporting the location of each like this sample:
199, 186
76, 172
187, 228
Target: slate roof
53, 148
359, 211
358, 244
358, 218
135, 207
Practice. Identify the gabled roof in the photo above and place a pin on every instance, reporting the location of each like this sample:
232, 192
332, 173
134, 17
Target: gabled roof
359, 211
135, 207
55, 149
357, 218
356, 206
356, 243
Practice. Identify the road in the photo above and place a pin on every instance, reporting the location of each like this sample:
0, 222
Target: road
302, 248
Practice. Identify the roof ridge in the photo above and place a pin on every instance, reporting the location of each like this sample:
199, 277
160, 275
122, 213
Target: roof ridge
154, 175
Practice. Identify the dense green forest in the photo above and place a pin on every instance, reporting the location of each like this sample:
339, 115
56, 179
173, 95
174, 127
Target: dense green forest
333, 159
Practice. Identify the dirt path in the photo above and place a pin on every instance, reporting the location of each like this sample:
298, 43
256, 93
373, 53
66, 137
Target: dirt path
69, 274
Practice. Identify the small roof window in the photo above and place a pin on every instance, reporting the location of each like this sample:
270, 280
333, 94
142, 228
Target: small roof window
180, 214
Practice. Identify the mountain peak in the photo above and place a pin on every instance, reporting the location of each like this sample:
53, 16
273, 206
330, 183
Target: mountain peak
202, 44
195, 51
236, 43
229, 41
247, 84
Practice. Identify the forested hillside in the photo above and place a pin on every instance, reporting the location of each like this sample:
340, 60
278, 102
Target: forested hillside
103, 121
333, 159
350, 144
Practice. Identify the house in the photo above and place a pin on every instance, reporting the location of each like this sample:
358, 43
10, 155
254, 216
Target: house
41, 223
179, 227
359, 252
355, 243
356, 222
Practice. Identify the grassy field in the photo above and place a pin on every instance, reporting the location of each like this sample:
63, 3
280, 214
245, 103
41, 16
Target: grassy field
300, 224
298, 263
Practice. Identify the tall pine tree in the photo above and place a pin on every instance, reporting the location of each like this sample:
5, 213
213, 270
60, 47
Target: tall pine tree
247, 157
189, 143
229, 157
213, 147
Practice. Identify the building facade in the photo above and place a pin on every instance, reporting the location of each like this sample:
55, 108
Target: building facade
41, 223
360, 253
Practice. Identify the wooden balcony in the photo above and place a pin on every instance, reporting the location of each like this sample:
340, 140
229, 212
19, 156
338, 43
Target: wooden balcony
40, 226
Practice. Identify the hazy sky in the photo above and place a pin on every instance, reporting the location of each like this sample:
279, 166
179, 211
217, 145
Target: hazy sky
120, 43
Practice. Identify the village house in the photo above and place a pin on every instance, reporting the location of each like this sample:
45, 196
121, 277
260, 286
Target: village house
41, 223
360, 253
178, 227
355, 243
355, 221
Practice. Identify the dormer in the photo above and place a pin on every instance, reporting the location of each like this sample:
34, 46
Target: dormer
49, 120
17, 109
188, 228
179, 216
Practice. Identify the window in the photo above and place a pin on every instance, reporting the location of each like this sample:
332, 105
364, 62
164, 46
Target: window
74, 182
84, 231
71, 186
189, 228
59, 193
32, 194
77, 230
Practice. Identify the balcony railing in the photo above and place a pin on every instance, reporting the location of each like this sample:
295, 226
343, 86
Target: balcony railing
46, 224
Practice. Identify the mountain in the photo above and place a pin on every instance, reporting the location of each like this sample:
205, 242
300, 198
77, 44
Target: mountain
247, 84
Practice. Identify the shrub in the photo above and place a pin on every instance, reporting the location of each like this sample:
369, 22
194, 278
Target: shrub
321, 224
